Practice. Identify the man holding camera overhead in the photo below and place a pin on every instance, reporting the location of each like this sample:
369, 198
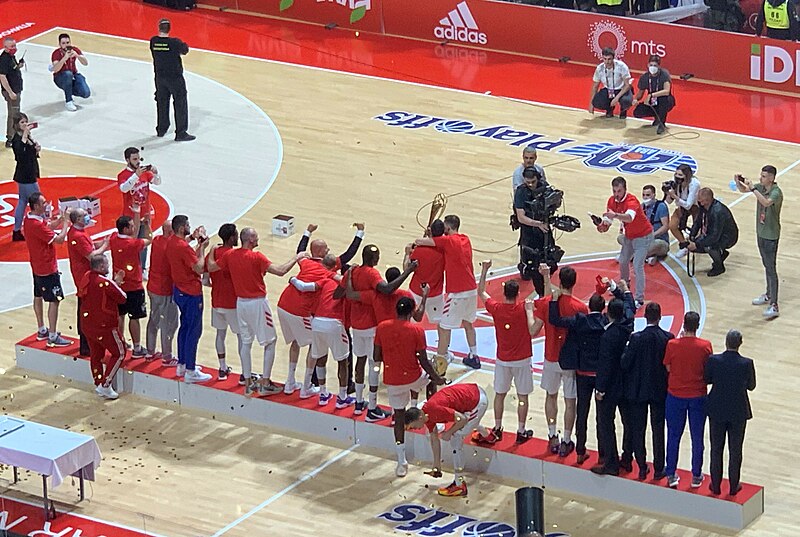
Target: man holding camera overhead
134, 183
532, 232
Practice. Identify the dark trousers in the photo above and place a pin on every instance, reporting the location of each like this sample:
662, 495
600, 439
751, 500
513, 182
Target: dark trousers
717, 253
175, 89
607, 432
585, 386
769, 258
84, 345
602, 101
658, 112
633, 439
735, 433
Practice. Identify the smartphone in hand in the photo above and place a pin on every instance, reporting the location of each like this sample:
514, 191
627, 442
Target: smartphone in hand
33, 125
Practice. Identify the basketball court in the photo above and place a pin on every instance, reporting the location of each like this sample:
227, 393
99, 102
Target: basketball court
334, 128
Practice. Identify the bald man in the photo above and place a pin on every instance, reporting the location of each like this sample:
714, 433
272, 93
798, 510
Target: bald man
163, 310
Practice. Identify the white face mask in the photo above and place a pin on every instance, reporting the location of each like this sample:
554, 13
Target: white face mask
653, 70
647, 201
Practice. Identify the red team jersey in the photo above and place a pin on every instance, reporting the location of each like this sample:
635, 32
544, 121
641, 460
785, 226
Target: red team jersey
325, 305
511, 330
399, 342
384, 306
430, 271
39, 240
222, 293
640, 226
250, 267
79, 246
139, 194
181, 258
362, 316
443, 405
686, 358
159, 281
100, 297
301, 304
125, 256
457, 250
554, 336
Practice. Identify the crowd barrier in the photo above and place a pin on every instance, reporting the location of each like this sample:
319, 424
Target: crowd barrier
718, 56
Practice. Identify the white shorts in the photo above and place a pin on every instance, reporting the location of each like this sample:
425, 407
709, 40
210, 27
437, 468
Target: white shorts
400, 396
329, 335
255, 321
458, 308
519, 371
433, 307
363, 342
553, 376
474, 416
295, 328
222, 318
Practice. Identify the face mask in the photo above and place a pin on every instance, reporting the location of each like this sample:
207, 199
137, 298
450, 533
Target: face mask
653, 70
87, 220
12, 51
678, 179
648, 201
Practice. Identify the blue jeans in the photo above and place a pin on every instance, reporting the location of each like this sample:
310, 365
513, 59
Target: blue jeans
72, 84
191, 308
676, 411
24, 191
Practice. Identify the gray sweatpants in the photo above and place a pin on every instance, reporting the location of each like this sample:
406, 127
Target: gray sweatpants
164, 318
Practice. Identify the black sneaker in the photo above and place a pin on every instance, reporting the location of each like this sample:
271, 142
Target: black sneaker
472, 361
359, 408
377, 414
609, 113
8, 143
185, 137
554, 443
654, 123
716, 271
565, 448
661, 129
17, 236
623, 114
253, 376
524, 436
725, 254
224, 372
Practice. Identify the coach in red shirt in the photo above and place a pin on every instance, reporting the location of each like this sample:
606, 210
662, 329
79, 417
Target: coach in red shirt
80, 248
41, 240
624, 207
163, 310
685, 360
65, 72
100, 298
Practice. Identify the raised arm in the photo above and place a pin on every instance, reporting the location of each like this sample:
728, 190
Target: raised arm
388, 288
482, 294
534, 323
352, 250
281, 270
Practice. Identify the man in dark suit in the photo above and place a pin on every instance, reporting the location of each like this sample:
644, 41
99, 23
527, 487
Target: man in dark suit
645, 386
608, 385
731, 376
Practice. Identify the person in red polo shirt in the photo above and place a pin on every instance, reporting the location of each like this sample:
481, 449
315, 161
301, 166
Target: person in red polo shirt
513, 334
125, 249
80, 247
685, 360
624, 207
41, 240
65, 71
552, 374
463, 406
163, 310
100, 297
400, 345
223, 298
247, 269
185, 267
461, 300
134, 183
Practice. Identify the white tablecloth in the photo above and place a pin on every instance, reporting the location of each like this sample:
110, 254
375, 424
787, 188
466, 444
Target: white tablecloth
46, 450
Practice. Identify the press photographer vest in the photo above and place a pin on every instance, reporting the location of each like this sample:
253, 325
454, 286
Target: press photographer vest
777, 17
609, 2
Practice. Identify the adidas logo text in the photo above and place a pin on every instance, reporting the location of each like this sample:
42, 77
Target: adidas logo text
460, 25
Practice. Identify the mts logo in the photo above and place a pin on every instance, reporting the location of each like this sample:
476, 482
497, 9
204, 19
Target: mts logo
648, 48
773, 64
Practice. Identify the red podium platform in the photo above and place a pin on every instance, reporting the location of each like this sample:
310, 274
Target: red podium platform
531, 462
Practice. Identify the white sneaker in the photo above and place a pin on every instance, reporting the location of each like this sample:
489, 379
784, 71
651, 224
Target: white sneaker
312, 391
290, 387
401, 470
180, 370
616, 259
71, 106
771, 312
99, 390
107, 392
680, 254
761, 300
652, 261
193, 377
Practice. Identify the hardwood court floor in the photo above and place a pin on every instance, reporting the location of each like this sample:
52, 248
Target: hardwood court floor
341, 166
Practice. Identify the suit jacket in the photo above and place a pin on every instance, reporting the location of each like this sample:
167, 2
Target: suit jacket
612, 346
644, 376
731, 375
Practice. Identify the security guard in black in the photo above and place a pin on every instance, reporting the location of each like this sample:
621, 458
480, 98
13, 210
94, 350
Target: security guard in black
170, 84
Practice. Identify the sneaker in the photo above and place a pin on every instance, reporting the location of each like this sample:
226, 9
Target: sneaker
716, 271
565, 448
524, 436
453, 490
223, 373
771, 312
180, 370
185, 137
252, 386
401, 470
360, 408
107, 392
324, 398
761, 300
309, 393
269, 388
139, 352
609, 113
253, 376
638, 303
344, 403
654, 123
17, 236
377, 414
697, 481
290, 387
41, 335
169, 361
680, 254
489, 438
673, 480
58, 341
652, 261
193, 377
623, 114
99, 390
554, 443
472, 361
69, 105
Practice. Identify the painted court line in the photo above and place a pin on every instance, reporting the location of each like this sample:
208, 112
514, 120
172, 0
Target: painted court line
285, 491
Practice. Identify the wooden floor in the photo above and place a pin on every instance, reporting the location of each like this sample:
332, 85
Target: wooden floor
182, 473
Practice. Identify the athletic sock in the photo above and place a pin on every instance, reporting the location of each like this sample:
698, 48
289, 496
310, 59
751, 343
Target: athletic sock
360, 393
307, 378
222, 364
551, 430
342, 393
473, 350
401, 453
521, 426
414, 403
498, 423
373, 400
42, 329
290, 378
567, 436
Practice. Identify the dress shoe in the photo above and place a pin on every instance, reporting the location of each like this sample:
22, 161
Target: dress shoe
161, 134
626, 465
185, 137
600, 469
582, 458
716, 271
658, 476
714, 491
735, 491
17, 236
643, 471
661, 129
609, 113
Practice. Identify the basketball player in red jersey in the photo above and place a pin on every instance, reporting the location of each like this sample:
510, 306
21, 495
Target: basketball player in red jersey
430, 271
385, 306
163, 318
223, 299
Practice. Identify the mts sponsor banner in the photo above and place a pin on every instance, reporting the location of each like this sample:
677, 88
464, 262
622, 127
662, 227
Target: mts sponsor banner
357, 14
725, 57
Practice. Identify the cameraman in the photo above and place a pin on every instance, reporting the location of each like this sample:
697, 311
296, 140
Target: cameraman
532, 233
529, 156
683, 191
